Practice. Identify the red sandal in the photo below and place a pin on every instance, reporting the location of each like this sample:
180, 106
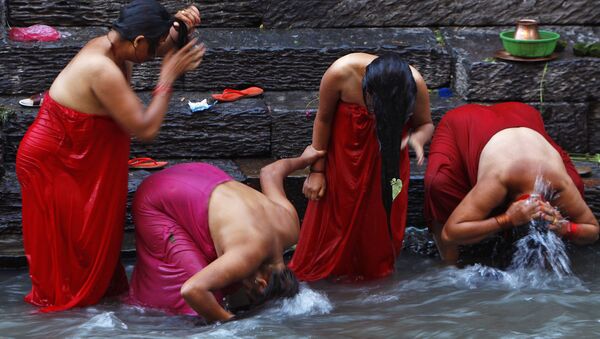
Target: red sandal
233, 94
146, 163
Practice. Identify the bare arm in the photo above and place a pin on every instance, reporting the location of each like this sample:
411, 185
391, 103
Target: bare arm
272, 176
191, 17
329, 95
231, 267
470, 222
422, 125
115, 94
578, 212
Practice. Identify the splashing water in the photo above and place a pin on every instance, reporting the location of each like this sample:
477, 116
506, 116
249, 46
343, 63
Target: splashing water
541, 249
306, 302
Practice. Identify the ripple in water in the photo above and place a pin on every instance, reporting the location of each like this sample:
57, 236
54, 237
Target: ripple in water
104, 320
306, 302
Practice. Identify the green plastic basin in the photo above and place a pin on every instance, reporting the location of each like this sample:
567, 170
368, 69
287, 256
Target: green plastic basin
542, 47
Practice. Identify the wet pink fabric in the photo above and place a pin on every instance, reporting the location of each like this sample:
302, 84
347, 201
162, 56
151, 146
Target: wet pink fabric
173, 240
72, 168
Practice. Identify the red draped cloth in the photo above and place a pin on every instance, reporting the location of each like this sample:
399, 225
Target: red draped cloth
72, 168
345, 234
457, 144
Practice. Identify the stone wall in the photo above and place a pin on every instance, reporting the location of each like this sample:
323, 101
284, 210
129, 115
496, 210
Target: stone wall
284, 47
322, 13
395, 13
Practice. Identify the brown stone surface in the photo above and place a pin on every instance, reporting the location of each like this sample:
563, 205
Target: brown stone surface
272, 59
594, 127
214, 13
382, 13
237, 129
480, 77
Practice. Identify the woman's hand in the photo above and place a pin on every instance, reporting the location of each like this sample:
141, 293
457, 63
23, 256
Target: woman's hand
557, 223
174, 64
311, 154
189, 15
314, 186
416, 146
523, 211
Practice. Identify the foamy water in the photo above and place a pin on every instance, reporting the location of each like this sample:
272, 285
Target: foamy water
423, 299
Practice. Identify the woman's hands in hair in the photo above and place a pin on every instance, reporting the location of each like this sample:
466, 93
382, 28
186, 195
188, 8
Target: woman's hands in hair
314, 186
175, 64
190, 15
523, 211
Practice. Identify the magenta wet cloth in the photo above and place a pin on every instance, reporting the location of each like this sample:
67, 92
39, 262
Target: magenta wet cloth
173, 240
33, 33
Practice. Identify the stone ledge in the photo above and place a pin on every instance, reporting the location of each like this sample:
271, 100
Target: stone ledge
272, 59
594, 127
244, 170
228, 13
479, 77
227, 130
237, 129
384, 13
320, 14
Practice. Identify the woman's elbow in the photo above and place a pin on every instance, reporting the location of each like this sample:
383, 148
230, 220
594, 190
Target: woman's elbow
146, 135
448, 236
187, 291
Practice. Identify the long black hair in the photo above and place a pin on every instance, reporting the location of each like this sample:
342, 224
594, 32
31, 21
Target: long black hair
144, 17
282, 284
389, 91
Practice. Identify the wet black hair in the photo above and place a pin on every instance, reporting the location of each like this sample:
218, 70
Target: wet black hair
144, 17
282, 284
389, 91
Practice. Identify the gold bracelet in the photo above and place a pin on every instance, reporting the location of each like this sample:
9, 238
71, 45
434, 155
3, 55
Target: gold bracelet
504, 221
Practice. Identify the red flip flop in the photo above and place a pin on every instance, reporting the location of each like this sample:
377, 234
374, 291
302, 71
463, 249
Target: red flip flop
146, 163
233, 94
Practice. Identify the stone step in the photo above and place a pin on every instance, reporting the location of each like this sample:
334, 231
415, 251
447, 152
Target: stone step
228, 13
318, 13
480, 77
279, 59
277, 124
244, 170
383, 13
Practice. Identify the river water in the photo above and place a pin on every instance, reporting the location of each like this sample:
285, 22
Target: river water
423, 299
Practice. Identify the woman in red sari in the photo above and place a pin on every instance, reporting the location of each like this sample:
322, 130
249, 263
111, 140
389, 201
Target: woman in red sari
72, 162
370, 107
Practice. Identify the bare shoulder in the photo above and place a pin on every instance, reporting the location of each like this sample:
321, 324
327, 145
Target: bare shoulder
417, 76
350, 64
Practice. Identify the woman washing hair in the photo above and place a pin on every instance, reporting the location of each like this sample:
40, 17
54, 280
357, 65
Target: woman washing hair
72, 162
370, 107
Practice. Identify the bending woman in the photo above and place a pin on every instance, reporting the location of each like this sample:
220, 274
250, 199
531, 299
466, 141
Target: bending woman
370, 107
72, 162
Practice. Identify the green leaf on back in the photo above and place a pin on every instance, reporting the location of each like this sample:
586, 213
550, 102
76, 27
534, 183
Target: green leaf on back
396, 187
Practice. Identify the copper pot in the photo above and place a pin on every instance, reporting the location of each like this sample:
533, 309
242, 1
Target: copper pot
527, 30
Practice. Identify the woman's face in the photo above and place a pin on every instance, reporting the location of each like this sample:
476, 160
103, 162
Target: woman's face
143, 49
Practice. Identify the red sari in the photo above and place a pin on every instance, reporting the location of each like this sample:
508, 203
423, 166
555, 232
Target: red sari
345, 234
72, 168
457, 144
